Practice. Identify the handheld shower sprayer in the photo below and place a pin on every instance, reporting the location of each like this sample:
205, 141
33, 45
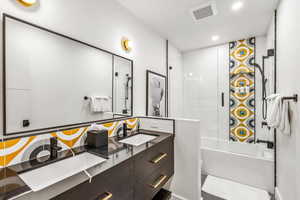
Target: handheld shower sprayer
264, 92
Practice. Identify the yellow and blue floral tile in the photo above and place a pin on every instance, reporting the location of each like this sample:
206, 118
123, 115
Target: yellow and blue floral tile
242, 104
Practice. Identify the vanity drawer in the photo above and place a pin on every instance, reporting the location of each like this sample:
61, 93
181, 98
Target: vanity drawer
118, 183
115, 195
113, 184
148, 188
155, 157
84, 190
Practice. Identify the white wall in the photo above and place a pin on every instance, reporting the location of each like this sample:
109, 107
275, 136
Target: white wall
101, 23
261, 50
206, 76
288, 70
186, 183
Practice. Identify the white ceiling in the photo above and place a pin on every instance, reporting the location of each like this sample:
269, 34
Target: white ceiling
172, 19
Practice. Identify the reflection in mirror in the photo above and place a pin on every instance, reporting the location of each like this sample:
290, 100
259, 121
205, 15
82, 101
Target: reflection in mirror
123, 80
47, 77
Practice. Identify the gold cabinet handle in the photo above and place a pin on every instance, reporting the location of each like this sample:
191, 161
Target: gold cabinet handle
159, 181
108, 195
159, 158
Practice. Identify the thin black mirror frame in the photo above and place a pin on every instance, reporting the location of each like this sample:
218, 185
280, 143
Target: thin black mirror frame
113, 84
50, 129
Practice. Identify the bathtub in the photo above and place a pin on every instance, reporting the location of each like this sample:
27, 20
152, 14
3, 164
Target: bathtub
250, 164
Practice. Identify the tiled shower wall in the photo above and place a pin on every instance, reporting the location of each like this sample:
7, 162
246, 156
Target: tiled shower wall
206, 77
242, 90
22, 149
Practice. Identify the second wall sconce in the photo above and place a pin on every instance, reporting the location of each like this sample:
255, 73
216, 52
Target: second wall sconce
126, 44
27, 3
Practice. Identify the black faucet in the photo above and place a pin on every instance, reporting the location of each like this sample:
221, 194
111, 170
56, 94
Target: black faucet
264, 123
270, 144
125, 129
53, 147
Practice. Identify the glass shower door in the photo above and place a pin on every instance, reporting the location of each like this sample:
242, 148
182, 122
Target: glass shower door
201, 90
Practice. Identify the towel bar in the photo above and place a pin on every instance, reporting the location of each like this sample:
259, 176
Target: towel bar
87, 98
294, 98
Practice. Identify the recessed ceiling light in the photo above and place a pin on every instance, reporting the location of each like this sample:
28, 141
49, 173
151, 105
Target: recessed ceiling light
215, 38
237, 5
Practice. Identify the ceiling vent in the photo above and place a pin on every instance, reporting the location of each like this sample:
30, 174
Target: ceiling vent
204, 11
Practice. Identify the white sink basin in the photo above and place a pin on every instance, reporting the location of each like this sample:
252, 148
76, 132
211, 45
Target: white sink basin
48, 175
138, 140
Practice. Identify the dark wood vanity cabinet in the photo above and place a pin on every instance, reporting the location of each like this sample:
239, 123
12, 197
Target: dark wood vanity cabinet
138, 178
153, 169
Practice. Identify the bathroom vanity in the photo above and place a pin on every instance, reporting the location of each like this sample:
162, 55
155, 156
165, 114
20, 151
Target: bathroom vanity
139, 177
127, 173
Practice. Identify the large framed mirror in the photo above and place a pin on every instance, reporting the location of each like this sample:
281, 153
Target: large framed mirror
53, 81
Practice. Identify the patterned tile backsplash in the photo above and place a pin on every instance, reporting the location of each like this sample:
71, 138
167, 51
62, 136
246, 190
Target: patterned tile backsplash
242, 90
22, 149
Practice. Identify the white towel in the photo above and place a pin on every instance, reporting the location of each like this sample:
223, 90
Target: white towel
106, 104
279, 116
275, 107
285, 126
100, 104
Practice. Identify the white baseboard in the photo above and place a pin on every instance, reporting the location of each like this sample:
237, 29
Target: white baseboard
277, 194
177, 197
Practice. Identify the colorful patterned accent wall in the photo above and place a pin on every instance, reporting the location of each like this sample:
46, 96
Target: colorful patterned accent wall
23, 149
242, 90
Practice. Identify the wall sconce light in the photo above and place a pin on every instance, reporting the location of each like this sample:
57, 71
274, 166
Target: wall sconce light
27, 3
126, 44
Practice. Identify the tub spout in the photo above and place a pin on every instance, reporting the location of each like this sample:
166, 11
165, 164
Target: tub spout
270, 144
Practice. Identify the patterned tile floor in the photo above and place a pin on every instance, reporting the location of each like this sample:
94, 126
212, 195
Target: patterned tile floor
207, 196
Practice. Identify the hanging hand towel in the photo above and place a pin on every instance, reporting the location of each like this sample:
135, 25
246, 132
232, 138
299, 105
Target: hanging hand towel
285, 126
100, 104
106, 104
274, 115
